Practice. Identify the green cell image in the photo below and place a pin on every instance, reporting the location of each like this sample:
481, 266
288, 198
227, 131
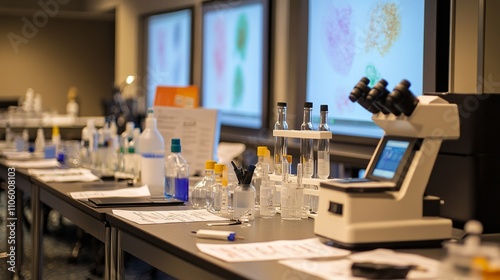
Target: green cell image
372, 74
238, 87
242, 35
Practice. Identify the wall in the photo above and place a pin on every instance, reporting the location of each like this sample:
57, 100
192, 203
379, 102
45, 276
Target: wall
63, 52
129, 41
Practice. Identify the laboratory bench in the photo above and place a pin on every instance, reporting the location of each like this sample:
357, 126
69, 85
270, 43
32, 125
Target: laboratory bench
170, 248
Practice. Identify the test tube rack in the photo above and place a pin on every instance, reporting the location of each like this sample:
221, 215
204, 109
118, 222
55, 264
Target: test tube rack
302, 134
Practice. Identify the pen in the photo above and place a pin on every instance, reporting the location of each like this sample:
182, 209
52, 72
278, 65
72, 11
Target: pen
217, 234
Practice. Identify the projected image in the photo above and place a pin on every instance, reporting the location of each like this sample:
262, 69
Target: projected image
354, 38
168, 50
233, 47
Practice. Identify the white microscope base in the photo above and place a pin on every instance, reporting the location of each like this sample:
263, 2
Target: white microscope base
427, 231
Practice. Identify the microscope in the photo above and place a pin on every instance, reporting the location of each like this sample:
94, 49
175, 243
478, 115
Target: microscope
385, 208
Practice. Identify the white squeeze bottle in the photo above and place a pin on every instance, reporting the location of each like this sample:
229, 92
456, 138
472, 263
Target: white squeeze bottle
152, 149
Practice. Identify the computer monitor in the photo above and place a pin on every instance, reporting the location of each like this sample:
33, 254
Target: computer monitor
168, 50
235, 61
391, 40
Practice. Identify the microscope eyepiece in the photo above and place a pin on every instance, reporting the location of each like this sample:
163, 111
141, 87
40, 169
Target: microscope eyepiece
359, 94
402, 98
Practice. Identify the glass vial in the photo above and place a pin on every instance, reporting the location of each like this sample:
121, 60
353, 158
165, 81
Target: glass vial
280, 143
267, 189
306, 145
292, 196
323, 145
214, 194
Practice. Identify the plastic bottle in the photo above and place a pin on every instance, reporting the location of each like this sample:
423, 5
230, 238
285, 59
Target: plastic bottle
152, 148
323, 145
126, 152
136, 159
280, 143
56, 140
258, 173
306, 145
89, 144
39, 141
199, 194
214, 192
176, 172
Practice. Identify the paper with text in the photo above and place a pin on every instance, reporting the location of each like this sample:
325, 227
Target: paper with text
38, 163
64, 175
164, 217
341, 269
273, 250
125, 192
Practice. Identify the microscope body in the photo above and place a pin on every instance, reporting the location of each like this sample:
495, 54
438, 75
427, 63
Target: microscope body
359, 219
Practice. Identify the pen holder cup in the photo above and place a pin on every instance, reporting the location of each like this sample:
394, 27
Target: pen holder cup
244, 202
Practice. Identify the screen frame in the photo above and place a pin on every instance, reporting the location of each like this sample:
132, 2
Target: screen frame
403, 164
145, 44
211, 5
355, 150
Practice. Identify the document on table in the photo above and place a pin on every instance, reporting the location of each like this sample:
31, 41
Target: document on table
38, 163
125, 192
165, 217
13, 155
64, 175
341, 269
273, 250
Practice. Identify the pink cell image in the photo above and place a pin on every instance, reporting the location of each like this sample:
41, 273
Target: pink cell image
339, 36
219, 48
341, 102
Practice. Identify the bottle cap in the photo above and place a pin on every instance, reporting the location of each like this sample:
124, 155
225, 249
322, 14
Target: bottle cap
175, 145
219, 168
289, 158
55, 131
210, 164
281, 104
261, 151
308, 104
323, 108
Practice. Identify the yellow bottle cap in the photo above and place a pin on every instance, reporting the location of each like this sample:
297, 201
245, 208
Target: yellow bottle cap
289, 158
261, 151
209, 164
55, 130
219, 168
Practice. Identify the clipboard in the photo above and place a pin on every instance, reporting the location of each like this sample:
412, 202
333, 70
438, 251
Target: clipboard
133, 201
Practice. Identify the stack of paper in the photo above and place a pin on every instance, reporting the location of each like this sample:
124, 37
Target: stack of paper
64, 175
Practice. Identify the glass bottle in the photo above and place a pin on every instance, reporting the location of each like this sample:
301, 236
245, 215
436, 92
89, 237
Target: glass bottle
257, 174
323, 145
214, 194
199, 195
280, 143
306, 145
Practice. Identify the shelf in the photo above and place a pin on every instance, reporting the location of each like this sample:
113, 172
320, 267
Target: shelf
303, 134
